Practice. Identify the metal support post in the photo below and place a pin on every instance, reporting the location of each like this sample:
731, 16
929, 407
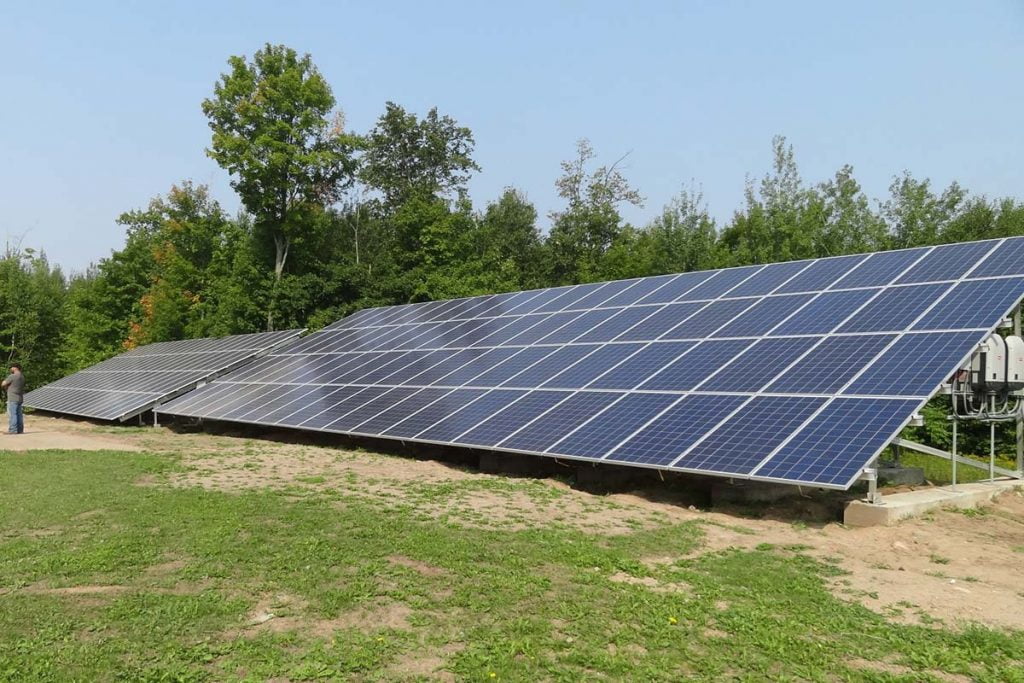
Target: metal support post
156, 420
992, 442
871, 476
953, 451
1019, 422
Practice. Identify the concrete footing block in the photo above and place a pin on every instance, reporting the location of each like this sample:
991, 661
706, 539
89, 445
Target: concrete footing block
897, 506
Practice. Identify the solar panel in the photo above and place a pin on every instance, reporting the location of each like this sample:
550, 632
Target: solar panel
143, 378
797, 372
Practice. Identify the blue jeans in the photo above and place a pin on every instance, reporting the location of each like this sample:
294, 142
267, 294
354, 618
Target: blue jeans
16, 418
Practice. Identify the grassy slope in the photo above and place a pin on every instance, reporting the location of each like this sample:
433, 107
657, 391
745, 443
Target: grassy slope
536, 604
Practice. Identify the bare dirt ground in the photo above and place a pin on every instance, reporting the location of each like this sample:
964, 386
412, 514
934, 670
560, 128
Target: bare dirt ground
950, 566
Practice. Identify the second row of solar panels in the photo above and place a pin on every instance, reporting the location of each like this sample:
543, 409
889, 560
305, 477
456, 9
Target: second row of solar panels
970, 305
941, 264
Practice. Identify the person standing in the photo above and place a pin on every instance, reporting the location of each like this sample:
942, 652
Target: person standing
15, 386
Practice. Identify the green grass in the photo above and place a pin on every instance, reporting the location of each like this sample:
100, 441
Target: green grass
940, 472
189, 569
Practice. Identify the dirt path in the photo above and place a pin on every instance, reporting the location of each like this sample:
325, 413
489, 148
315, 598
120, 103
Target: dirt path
953, 566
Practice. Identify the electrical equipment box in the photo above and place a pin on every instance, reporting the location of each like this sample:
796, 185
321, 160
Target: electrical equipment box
1015, 363
998, 365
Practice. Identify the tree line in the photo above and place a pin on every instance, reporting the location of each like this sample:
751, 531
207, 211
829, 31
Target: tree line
335, 220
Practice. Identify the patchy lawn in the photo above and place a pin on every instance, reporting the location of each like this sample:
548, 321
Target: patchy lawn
221, 558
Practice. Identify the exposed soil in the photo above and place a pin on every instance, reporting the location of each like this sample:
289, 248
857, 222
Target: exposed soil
952, 566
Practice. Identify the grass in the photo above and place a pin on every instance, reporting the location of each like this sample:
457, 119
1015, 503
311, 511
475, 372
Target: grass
104, 579
940, 472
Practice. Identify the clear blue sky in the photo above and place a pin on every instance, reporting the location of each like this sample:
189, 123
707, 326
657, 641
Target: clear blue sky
100, 100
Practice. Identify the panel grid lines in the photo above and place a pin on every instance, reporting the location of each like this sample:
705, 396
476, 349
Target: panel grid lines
713, 372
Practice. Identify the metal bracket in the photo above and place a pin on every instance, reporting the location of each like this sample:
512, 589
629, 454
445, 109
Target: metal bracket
921, 448
870, 475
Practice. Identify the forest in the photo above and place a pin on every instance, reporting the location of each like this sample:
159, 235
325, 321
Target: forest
335, 220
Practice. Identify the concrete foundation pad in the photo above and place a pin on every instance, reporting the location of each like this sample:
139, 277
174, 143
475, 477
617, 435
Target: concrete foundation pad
897, 506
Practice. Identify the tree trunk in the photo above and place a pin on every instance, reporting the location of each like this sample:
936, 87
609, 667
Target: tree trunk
281, 244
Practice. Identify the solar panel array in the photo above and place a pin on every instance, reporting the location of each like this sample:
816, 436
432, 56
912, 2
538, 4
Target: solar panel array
797, 372
134, 382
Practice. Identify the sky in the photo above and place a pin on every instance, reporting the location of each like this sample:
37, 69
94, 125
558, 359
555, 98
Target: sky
100, 101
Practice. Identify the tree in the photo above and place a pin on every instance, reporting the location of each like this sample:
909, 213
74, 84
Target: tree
916, 215
407, 158
509, 241
850, 226
272, 133
583, 232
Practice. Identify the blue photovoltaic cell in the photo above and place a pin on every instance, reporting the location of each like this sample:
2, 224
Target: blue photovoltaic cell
578, 326
379, 372
470, 416
824, 313
542, 328
622, 321
335, 409
420, 365
451, 335
285, 414
601, 296
543, 298
457, 376
664, 439
399, 411
879, 268
640, 366
973, 303
894, 309
434, 412
744, 440
786, 338
370, 408
490, 328
548, 367
583, 373
835, 445
831, 364
768, 279
677, 287
694, 367
559, 421
820, 274
569, 298
319, 402
497, 427
283, 400
759, 364
457, 359
901, 371
720, 284
702, 323
947, 262
603, 433
1007, 259
512, 366
763, 316
640, 289
660, 322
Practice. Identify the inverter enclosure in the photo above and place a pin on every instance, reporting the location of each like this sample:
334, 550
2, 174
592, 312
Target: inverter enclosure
998, 365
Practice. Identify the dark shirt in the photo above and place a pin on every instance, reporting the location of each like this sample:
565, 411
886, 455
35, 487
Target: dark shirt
15, 384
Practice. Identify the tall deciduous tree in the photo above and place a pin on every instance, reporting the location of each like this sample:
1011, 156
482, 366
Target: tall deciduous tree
583, 232
273, 132
407, 157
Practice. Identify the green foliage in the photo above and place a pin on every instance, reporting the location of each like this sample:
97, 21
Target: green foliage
272, 133
32, 315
